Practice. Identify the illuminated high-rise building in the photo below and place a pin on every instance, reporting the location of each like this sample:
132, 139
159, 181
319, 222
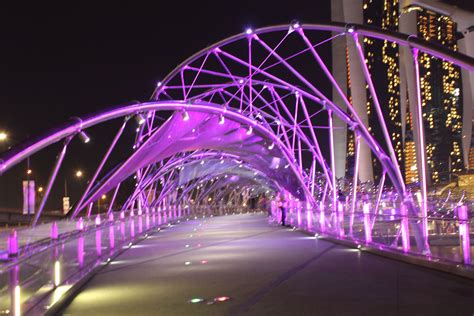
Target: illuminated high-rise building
382, 60
447, 124
441, 97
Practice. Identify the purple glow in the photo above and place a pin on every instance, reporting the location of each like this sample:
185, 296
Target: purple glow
404, 228
98, 242
464, 233
54, 230
421, 152
80, 224
13, 244
80, 250
367, 223
112, 237
97, 220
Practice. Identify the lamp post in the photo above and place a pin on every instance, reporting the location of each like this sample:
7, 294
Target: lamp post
78, 174
29, 201
103, 198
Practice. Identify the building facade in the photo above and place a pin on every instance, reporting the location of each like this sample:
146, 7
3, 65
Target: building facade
447, 110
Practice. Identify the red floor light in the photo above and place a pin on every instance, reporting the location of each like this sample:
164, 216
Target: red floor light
222, 299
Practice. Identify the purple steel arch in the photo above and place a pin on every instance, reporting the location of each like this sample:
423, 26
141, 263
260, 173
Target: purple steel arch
248, 111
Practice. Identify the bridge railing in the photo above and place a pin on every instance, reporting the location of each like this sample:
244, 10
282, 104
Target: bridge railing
54, 259
449, 239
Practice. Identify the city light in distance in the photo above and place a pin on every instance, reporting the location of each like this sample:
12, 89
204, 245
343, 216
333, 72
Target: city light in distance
104, 196
40, 189
3, 136
79, 174
196, 300
29, 171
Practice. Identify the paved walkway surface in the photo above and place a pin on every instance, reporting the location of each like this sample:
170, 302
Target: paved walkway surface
264, 270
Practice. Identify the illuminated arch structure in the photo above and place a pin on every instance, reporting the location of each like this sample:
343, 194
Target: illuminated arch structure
247, 119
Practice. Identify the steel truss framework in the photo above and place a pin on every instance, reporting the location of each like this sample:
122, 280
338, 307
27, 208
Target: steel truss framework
276, 136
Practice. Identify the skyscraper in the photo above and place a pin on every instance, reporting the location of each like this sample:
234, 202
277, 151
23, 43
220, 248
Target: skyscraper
446, 124
441, 96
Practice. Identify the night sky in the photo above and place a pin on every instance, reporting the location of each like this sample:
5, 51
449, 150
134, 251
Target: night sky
72, 60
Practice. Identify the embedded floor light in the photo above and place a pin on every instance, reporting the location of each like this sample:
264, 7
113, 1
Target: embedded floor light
140, 119
248, 31
185, 116
84, 137
350, 30
271, 146
221, 119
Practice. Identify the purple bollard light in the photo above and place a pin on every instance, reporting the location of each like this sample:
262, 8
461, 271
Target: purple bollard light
98, 242
404, 228
111, 217
80, 251
367, 226
97, 220
54, 231
309, 219
464, 237
80, 224
13, 244
112, 237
